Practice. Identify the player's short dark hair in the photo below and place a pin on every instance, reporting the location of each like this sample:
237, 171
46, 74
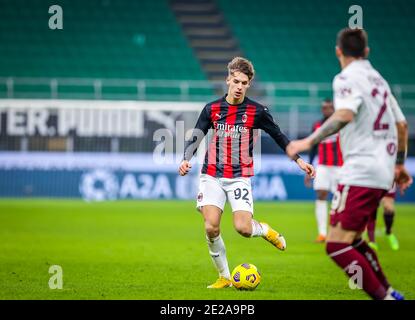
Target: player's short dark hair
242, 65
352, 42
327, 100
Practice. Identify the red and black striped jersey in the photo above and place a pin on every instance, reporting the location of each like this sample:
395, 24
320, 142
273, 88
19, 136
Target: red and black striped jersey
230, 151
329, 152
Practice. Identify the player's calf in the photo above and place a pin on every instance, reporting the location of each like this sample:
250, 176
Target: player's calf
348, 259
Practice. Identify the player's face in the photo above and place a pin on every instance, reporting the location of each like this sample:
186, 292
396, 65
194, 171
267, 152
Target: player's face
327, 109
238, 83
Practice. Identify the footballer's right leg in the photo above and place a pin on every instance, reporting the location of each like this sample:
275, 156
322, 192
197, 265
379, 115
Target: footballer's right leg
212, 215
321, 185
321, 214
211, 202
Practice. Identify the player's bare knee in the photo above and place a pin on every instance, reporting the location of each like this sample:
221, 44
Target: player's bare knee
388, 205
212, 231
322, 194
243, 229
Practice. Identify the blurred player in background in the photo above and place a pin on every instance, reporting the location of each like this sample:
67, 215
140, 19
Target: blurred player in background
388, 203
374, 150
329, 162
228, 164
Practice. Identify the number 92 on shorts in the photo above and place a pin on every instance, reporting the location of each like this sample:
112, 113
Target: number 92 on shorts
215, 191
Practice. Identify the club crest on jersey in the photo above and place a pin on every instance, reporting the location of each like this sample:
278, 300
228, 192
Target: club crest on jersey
200, 197
244, 118
391, 148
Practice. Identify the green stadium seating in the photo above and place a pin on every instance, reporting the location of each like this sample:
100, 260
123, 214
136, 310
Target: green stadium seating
100, 39
294, 40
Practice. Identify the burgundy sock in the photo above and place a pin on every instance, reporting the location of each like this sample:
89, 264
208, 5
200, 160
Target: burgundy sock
371, 230
371, 257
388, 218
346, 256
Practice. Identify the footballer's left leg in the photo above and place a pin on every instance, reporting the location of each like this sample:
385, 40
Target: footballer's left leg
239, 194
388, 217
248, 227
371, 227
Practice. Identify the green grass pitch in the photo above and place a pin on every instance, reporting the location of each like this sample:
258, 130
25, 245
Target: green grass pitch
157, 250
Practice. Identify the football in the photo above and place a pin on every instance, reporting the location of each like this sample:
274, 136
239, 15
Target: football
246, 277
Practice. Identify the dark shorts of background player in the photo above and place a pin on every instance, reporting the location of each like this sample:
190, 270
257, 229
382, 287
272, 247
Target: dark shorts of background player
392, 192
359, 206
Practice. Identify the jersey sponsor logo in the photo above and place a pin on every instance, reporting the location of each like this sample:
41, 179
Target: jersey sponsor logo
229, 130
391, 148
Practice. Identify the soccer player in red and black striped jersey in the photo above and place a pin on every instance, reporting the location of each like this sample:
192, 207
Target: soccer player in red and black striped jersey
329, 163
228, 164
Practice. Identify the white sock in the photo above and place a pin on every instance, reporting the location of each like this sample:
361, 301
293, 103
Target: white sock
218, 253
258, 229
321, 216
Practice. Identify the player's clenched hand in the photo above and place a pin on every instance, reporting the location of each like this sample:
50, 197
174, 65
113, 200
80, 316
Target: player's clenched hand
306, 167
184, 167
297, 146
402, 177
307, 181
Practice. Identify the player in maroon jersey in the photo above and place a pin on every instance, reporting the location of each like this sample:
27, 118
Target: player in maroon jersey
374, 147
228, 164
327, 171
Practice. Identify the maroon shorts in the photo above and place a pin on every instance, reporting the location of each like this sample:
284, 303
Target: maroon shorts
353, 206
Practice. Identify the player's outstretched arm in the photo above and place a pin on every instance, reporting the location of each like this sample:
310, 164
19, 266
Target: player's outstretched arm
334, 124
271, 127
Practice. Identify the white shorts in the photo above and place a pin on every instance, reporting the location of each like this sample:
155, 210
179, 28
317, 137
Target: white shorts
326, 178
215, 191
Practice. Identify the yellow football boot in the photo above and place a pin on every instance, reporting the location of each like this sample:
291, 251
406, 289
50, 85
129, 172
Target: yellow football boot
221, 283
276, 239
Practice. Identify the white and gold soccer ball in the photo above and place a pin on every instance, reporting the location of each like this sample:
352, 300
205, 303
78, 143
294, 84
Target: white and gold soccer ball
245, 277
